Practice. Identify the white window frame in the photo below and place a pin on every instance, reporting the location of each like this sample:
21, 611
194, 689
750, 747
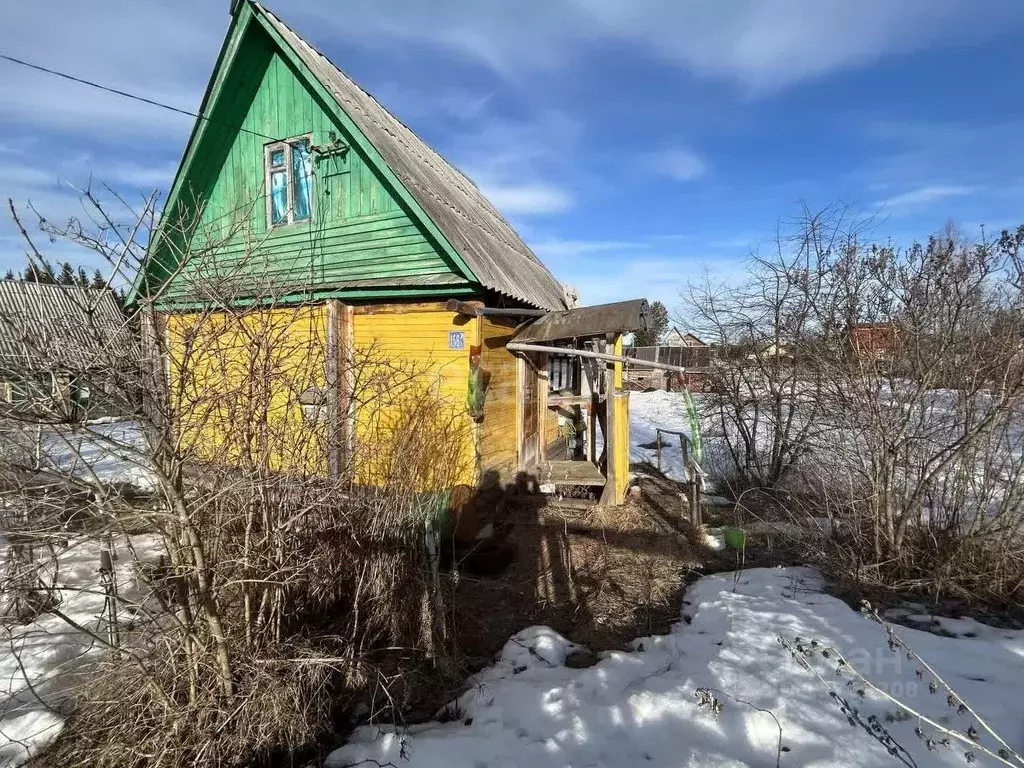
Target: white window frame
289, 218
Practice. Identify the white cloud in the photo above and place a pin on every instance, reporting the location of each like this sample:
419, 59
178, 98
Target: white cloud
559, 249
926, 195
761, 45
525, 199
679, 164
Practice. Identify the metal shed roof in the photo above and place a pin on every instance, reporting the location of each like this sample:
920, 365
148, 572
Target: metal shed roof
57, 326
495, 253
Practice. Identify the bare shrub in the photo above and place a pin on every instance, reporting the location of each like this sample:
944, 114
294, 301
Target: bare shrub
881, 387
278, 600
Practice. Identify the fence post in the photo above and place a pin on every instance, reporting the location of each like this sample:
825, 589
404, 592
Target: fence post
659, 449
108, 579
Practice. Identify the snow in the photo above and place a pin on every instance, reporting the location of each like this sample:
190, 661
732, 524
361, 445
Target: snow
37, 660
115, 452
641, 707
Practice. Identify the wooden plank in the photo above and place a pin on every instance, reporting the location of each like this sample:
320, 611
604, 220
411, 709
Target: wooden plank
611, 470
401, 309
335, 409
542, 407
570, 473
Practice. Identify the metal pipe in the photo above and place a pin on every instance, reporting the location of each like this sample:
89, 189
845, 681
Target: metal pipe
471, 310
518, 346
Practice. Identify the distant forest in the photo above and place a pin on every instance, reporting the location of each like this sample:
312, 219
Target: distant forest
63, 274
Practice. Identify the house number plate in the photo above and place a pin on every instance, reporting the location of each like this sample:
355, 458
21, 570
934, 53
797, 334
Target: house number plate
456, 339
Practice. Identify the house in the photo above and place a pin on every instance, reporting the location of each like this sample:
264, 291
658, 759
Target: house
676, 338
304, 207
873, 342
56, 343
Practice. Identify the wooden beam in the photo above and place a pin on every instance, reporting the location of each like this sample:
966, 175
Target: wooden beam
332, 374
476, 310
339, 386
542, 384
611, 465
518, 346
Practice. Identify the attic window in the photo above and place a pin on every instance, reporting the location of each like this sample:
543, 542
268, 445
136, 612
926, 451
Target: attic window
289, 179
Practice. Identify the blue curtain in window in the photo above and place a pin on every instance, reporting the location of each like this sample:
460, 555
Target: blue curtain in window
302, 180
278, 196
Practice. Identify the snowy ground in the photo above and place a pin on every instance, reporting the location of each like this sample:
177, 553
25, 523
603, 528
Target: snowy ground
37, 660
649, 411
109, 451
642, 708
113, 452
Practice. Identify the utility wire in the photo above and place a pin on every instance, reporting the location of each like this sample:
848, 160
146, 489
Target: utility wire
127, 95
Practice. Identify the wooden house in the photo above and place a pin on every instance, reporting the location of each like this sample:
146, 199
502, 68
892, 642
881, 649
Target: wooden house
56, 342
302, 201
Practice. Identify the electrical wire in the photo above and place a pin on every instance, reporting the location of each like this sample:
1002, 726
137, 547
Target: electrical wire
127, 95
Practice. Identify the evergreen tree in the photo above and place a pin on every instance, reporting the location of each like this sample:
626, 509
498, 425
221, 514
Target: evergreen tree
657, 324
81, 278
98, 280
66, 276
10, 275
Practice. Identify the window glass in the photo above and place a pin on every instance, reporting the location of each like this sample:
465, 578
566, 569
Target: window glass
302, 180
277, 158
278, 197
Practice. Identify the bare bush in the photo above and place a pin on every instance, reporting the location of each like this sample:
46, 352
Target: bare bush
881, 386
276, 597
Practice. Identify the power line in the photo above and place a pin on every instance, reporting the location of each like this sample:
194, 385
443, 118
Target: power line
127, 95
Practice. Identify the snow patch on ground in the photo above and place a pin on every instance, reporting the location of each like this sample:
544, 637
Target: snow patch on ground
38, 660
640, 707
114, 452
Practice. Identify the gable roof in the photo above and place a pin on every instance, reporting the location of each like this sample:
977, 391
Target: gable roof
677, 338
470, 229
491, 248
59, 327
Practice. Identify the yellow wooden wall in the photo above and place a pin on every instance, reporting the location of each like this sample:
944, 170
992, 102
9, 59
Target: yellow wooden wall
412, 424
621, 405
236, 380
499, 430
621, 456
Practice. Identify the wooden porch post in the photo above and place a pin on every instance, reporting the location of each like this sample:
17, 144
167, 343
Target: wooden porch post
613, 382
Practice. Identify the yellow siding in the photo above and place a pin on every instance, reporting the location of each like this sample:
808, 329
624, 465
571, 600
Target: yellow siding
499, 433
621, 419
621, 457
411, 419
236, 381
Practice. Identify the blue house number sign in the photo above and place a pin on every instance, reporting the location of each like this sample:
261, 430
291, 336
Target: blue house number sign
456, 339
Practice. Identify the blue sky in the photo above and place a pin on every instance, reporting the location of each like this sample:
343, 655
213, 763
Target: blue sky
633, 143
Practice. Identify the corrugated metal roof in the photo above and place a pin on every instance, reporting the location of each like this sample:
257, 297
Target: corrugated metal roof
490, 246
58, 326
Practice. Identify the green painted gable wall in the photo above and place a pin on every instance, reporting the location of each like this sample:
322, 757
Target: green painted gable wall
359, 229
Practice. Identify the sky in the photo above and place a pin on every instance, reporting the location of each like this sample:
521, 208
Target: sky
634, 144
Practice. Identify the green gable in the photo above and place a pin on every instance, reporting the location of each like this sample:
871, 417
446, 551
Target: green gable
391, 217
360, 240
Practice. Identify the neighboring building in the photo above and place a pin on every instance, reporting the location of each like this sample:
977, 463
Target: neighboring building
56, 342
677, 348
327, 201
873, 341
676, 338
